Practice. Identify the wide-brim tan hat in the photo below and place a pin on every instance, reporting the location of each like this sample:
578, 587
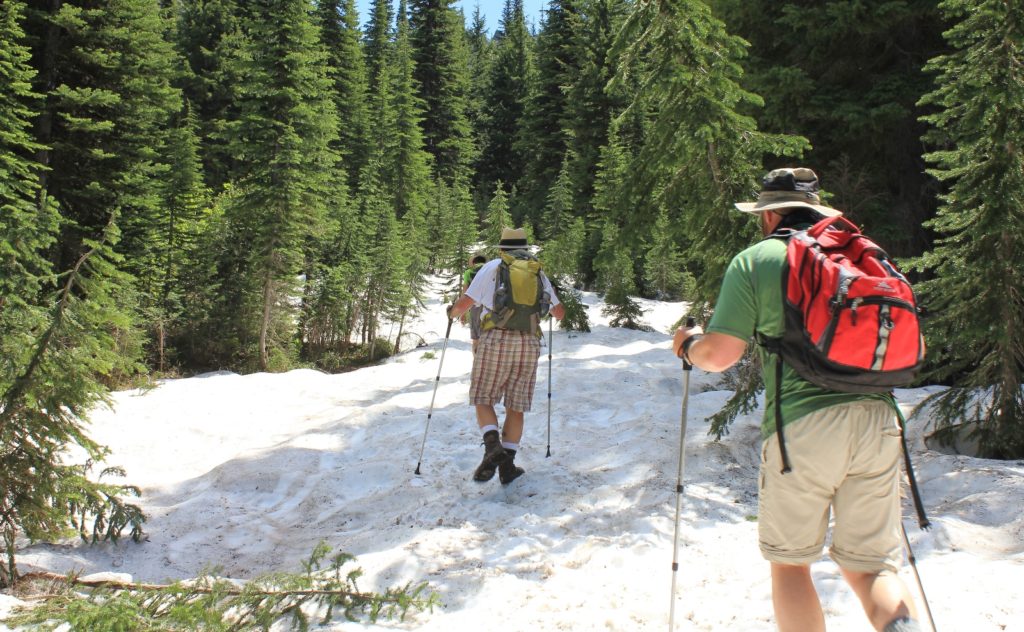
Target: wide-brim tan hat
512, 239
789, 188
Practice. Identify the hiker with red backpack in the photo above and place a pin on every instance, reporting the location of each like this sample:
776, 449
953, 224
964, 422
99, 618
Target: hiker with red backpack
514, 294
836, 326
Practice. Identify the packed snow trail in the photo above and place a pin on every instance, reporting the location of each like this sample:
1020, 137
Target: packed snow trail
247, 474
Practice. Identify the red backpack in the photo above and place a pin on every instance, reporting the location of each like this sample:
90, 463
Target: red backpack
851, 318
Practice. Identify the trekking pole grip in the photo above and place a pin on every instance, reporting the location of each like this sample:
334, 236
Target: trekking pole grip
690, 322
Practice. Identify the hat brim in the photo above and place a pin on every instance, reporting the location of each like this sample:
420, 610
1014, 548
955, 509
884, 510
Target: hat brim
754, 207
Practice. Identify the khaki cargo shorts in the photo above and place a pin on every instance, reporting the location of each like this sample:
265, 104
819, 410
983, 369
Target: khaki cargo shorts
505, 367
844, 458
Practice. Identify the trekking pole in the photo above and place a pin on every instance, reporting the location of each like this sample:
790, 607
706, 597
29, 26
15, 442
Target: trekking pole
679, 485
917, 576
436, 382
550, 342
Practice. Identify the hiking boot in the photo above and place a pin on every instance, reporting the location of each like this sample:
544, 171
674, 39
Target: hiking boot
509, 471
494, 455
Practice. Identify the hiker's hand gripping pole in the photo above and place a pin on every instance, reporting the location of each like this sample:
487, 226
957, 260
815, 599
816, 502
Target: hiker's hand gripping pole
437, 381
679, 484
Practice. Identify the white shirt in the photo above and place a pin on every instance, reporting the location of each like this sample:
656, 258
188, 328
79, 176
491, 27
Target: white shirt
481, 290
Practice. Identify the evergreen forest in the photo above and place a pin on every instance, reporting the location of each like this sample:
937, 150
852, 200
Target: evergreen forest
261, 185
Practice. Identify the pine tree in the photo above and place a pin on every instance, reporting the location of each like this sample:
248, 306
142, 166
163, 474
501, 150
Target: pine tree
847, 75
591, 102
481, 51
28, 222
563, 247
615, 274
701, 154
544, 135
287, 122
207, 37
54, 348
186, 200
340, 34
664, 266
497, 216
504, 100
411, 175
377, 41
976, 312
382, 293
442, 64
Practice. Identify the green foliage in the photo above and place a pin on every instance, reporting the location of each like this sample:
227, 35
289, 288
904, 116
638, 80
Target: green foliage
346, 67
497, 217
46, 391
576, 318
615, 276
744, 379
701, 153
27, 227
501, 158
544, 131
441, 58
848, 76
975, 309
282, 137
206, 35
664, 266
325, 590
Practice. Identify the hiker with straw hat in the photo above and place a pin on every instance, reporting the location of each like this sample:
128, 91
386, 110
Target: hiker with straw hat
505, 361
844, 447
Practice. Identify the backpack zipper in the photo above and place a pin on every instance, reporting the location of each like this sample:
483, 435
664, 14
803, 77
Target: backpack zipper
841, 303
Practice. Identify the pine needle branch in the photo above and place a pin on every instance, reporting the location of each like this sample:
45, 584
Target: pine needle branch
214, 603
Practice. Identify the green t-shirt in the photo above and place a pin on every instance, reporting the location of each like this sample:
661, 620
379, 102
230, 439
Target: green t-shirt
751, 301
467, 276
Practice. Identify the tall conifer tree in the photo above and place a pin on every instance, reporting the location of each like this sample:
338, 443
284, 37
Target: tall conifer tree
497, 215
975, 327
339, 24
544, 135
847, 75
501, 158
207, 36
287, 123
55, 345
411, 176
701, 154
442, 64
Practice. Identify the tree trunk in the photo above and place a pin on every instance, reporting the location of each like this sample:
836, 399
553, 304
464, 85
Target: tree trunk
268, 294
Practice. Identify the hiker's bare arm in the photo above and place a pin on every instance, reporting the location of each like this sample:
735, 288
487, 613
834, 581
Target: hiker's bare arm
460, 307
712, 352
558, 311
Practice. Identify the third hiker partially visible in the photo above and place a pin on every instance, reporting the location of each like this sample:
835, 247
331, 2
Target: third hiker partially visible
514, 295
475, 312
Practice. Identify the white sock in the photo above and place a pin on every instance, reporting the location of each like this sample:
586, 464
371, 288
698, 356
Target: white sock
489, 428
508, 445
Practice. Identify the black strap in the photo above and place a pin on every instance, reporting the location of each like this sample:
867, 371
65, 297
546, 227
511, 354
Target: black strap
778, 415
922, 519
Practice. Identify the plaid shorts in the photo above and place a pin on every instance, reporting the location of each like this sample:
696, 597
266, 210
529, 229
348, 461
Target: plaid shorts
505, 365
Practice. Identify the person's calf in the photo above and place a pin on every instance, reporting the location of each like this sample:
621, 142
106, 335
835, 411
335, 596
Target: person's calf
795, 600
884, 597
